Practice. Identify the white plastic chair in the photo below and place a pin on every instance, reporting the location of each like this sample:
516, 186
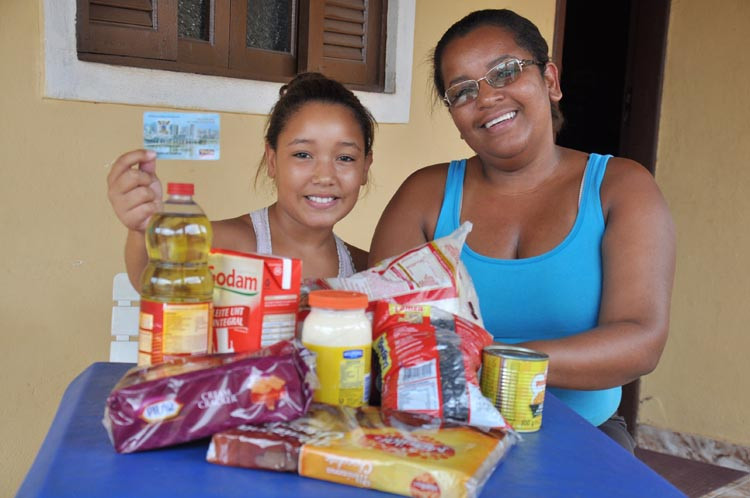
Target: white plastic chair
125, 311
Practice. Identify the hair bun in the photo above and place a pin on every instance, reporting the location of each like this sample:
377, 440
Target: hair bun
316, 87
301, 79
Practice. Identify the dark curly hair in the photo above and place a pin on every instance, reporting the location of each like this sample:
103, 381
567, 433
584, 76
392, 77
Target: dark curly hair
524, 32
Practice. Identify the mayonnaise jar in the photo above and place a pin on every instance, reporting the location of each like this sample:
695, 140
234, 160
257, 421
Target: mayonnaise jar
340, 334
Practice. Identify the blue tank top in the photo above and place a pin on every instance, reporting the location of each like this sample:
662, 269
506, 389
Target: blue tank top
549, 296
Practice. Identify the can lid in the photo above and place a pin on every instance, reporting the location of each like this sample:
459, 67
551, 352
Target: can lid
180, 189
337, 299
516, 352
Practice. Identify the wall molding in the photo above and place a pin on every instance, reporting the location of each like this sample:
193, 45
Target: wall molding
694, 447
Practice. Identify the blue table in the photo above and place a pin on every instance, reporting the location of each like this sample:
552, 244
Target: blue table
567, 457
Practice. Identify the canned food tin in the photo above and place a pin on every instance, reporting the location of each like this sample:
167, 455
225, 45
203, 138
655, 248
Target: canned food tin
514, 379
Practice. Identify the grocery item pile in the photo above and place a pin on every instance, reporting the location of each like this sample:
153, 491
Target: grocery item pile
433, 433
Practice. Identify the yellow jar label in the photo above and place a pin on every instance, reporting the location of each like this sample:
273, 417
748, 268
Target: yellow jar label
344, 374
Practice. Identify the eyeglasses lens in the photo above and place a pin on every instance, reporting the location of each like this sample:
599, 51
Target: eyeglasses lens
462, 93
503, 74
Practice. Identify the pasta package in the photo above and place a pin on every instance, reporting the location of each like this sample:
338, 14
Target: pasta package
428, 362
431, 273
402, 453
192, 398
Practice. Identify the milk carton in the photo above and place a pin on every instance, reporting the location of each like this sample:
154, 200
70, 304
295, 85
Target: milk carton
255, 300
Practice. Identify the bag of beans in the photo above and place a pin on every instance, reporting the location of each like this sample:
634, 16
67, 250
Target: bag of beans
428, 361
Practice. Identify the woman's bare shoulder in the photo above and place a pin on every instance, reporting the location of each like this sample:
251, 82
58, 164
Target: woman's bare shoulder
624, 166
623, 173
628, 183
236, 234
427, 178
417, 194
409, 218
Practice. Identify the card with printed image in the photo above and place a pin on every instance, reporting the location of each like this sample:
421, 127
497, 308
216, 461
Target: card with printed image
182, 135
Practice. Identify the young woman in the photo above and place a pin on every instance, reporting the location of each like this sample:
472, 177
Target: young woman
318, 153
571, 253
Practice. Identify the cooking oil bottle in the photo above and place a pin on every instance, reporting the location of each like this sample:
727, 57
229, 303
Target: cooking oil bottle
176, 286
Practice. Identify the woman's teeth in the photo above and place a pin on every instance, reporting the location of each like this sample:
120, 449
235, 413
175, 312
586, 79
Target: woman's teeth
504, 117
321, 200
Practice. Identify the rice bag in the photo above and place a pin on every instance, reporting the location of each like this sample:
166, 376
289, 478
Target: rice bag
431, 273
192, 398
428, 360
402, 453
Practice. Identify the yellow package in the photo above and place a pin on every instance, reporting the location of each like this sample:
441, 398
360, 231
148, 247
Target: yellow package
405, 454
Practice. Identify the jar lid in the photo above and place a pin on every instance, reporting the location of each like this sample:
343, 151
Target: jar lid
180, 189
337, 299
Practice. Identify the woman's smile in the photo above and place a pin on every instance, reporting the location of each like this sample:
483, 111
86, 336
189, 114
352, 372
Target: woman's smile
503, 118
318, 201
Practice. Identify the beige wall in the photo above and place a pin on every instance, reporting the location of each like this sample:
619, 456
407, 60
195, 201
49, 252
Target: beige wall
62, 244
701, 383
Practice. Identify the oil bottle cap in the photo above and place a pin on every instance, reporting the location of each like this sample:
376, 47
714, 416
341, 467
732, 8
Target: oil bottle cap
337, 299
180, 189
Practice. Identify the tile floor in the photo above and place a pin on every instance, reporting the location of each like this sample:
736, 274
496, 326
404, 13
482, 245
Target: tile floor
695, 478
737, 489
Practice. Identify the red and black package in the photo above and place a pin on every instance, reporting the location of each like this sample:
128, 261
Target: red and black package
428, 361
192, 398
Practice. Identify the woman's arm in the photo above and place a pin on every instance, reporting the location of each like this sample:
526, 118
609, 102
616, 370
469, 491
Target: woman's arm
409, 218
359, 257
638, 252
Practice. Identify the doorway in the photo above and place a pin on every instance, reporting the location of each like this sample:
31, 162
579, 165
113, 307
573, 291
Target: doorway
611, 60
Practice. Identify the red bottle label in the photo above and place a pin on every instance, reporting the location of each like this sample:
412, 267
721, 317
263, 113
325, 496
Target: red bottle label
169, 330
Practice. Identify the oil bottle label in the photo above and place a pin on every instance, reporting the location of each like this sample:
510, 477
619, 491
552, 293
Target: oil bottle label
344, 374
169, 330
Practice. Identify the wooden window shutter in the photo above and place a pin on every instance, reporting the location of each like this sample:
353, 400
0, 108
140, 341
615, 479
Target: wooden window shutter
344, 40
135, 28
256, 63
215, 51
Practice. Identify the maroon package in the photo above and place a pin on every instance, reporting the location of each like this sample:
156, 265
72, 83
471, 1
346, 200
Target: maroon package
277, 445
192, 398
272, 446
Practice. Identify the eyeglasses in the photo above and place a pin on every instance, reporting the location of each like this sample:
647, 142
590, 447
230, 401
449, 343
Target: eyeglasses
503, 74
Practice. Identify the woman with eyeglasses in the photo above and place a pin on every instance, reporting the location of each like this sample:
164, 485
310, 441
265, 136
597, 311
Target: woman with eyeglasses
571, 253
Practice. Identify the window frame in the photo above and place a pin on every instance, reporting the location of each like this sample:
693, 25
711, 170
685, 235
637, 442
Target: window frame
67, 78
143, 33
